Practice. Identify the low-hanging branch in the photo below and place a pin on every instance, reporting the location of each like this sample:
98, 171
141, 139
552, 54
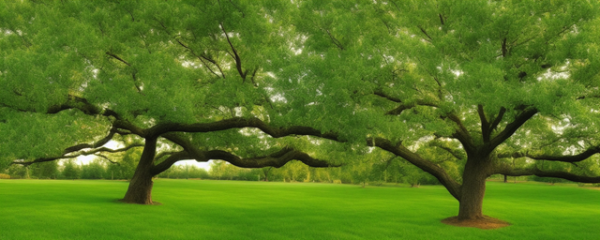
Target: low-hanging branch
107, 159
426, 165
72, 102
96, 144
559, 158
81, 153
509, 171
76, 150
162, 128
277, 159
236, 122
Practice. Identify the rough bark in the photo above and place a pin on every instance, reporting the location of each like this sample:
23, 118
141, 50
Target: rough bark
477, 169
471, 200
140, 186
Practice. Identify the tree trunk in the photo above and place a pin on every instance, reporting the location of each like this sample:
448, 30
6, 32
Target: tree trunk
140, 186
505, 179
473, 190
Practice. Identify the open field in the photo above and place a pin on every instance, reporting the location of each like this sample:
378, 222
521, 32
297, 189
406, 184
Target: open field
53, 209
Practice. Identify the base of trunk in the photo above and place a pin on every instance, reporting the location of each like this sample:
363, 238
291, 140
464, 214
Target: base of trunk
139, 191
129, 202
484, 222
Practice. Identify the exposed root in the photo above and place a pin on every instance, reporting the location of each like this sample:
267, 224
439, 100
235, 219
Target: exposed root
481, 223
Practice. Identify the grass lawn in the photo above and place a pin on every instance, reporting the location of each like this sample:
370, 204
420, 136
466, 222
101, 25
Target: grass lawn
57, 209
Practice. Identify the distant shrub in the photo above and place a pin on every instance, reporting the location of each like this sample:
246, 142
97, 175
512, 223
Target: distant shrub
4, 176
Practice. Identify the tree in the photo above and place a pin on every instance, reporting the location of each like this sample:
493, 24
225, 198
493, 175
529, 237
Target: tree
266, 172
93, 170
480, 80
16, 171
47, 170
112, 70
71, 170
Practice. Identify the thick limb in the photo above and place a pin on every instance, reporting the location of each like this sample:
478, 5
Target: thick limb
425, 165
510, 171
277, 159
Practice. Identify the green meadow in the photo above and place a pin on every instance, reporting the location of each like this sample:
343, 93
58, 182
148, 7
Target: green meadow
193, 209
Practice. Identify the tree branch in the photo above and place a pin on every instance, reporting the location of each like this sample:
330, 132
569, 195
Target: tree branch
509, 171
236, 57
172, 159
277, 159
425, 32
82, 153
133, 74
398, 110
334, 40
118, 58
73, 102
107, 159
238, 122
202, 58
558, 158
96, 144
425, 165
462, 134
386, 96
512, 127
485, 124
498, 119
455, 153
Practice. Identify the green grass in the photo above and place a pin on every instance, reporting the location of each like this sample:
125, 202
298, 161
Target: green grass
52, 209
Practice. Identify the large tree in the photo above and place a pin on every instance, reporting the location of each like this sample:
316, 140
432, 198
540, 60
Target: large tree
183, 80
471, 82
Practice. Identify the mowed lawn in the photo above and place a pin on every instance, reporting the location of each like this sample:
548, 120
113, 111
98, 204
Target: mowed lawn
192, 209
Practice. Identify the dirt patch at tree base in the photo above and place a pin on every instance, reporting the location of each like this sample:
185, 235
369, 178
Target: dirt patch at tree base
153, 202
482, 223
